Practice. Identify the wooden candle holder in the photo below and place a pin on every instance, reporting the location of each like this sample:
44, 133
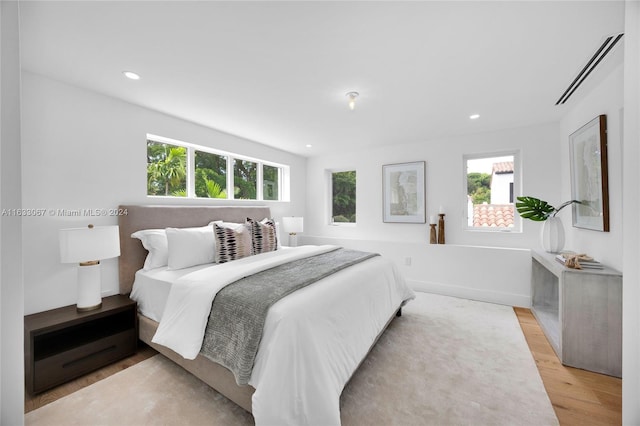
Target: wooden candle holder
441, 228
432, 234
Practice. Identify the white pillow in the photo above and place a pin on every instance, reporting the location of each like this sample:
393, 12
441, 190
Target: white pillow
155, 241
190, 246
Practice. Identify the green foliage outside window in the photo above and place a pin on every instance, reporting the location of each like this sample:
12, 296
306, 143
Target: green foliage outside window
479, 187
245, 178
166, 169
211, 175
344, 196
270, 182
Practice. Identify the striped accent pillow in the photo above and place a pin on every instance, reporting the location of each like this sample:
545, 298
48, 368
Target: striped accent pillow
263, 235
233, 241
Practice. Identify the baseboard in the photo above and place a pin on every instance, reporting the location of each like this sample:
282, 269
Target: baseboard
500, 298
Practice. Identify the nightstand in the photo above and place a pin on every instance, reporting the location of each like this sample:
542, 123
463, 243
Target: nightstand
62, 344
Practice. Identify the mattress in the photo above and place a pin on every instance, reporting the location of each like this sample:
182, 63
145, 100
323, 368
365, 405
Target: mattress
151, 288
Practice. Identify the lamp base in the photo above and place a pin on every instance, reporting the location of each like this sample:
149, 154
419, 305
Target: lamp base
293, 240
89, 288
88, 308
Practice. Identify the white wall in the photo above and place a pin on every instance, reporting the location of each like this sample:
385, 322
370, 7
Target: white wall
447, 270
85, 150
490, 274
11, 311
605, 98
500, 183
631, 204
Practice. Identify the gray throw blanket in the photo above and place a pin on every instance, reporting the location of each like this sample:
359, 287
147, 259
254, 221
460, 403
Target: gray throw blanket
239, 310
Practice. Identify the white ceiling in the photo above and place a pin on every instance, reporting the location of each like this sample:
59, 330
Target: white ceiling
278, 72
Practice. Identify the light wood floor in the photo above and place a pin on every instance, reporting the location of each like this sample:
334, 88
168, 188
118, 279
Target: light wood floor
579, 397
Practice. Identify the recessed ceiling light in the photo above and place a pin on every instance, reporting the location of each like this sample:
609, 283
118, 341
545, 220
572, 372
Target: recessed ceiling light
308, 145
474, 116
352, 99
132, 75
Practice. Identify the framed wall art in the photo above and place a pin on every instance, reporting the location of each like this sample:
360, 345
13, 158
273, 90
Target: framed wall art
403, 192
589, 175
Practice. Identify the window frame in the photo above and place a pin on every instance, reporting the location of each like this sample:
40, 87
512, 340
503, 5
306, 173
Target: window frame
517, 190
283, 172
329, 204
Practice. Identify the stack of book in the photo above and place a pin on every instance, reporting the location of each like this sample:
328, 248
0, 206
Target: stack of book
585, 262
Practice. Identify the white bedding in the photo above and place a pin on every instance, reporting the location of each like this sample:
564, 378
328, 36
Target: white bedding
313, 339
151, 288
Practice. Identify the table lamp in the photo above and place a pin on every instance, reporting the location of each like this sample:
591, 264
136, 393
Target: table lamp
87, 246
292, 225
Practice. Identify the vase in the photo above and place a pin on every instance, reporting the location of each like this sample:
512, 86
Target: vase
552, 236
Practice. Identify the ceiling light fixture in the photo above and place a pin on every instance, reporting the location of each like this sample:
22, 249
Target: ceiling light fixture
474, 116
309, 145
131, 75
352, 99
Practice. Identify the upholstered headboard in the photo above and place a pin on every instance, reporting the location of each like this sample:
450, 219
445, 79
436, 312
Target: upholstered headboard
132, 254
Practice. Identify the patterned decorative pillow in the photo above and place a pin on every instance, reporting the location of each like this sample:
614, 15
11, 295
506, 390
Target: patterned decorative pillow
264, 237
233, 241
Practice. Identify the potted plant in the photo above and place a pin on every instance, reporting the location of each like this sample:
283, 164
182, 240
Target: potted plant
552, 236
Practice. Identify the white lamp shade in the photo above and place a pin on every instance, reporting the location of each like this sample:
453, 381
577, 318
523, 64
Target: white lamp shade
88, 244
293, 224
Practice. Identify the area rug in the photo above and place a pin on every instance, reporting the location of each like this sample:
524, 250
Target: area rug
446, 361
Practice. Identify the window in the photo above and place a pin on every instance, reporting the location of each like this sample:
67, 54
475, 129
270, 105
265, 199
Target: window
211, 175
343, 197
491, 187
180, 169
270, 182
245, 175
166, 169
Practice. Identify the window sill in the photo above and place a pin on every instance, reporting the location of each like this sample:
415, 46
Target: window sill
494, 230
206, 199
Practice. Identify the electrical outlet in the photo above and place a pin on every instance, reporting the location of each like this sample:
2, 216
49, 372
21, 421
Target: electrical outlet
407, 261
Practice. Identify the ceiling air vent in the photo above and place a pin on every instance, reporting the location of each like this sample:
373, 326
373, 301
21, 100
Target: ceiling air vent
602, 51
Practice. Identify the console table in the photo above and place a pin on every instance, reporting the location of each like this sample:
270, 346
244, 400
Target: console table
580, 312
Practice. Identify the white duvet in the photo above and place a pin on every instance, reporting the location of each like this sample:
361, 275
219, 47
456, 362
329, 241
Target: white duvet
313, 339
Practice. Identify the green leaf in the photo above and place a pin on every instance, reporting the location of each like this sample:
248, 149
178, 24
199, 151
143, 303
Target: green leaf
534, 208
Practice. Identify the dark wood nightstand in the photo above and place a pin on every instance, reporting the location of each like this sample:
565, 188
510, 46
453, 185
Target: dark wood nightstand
62, 344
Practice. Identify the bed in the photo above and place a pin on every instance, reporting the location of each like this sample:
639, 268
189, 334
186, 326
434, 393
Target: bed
299, 370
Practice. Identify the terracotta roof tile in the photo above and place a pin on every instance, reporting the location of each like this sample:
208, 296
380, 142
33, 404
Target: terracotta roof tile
493, 215
503, 167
